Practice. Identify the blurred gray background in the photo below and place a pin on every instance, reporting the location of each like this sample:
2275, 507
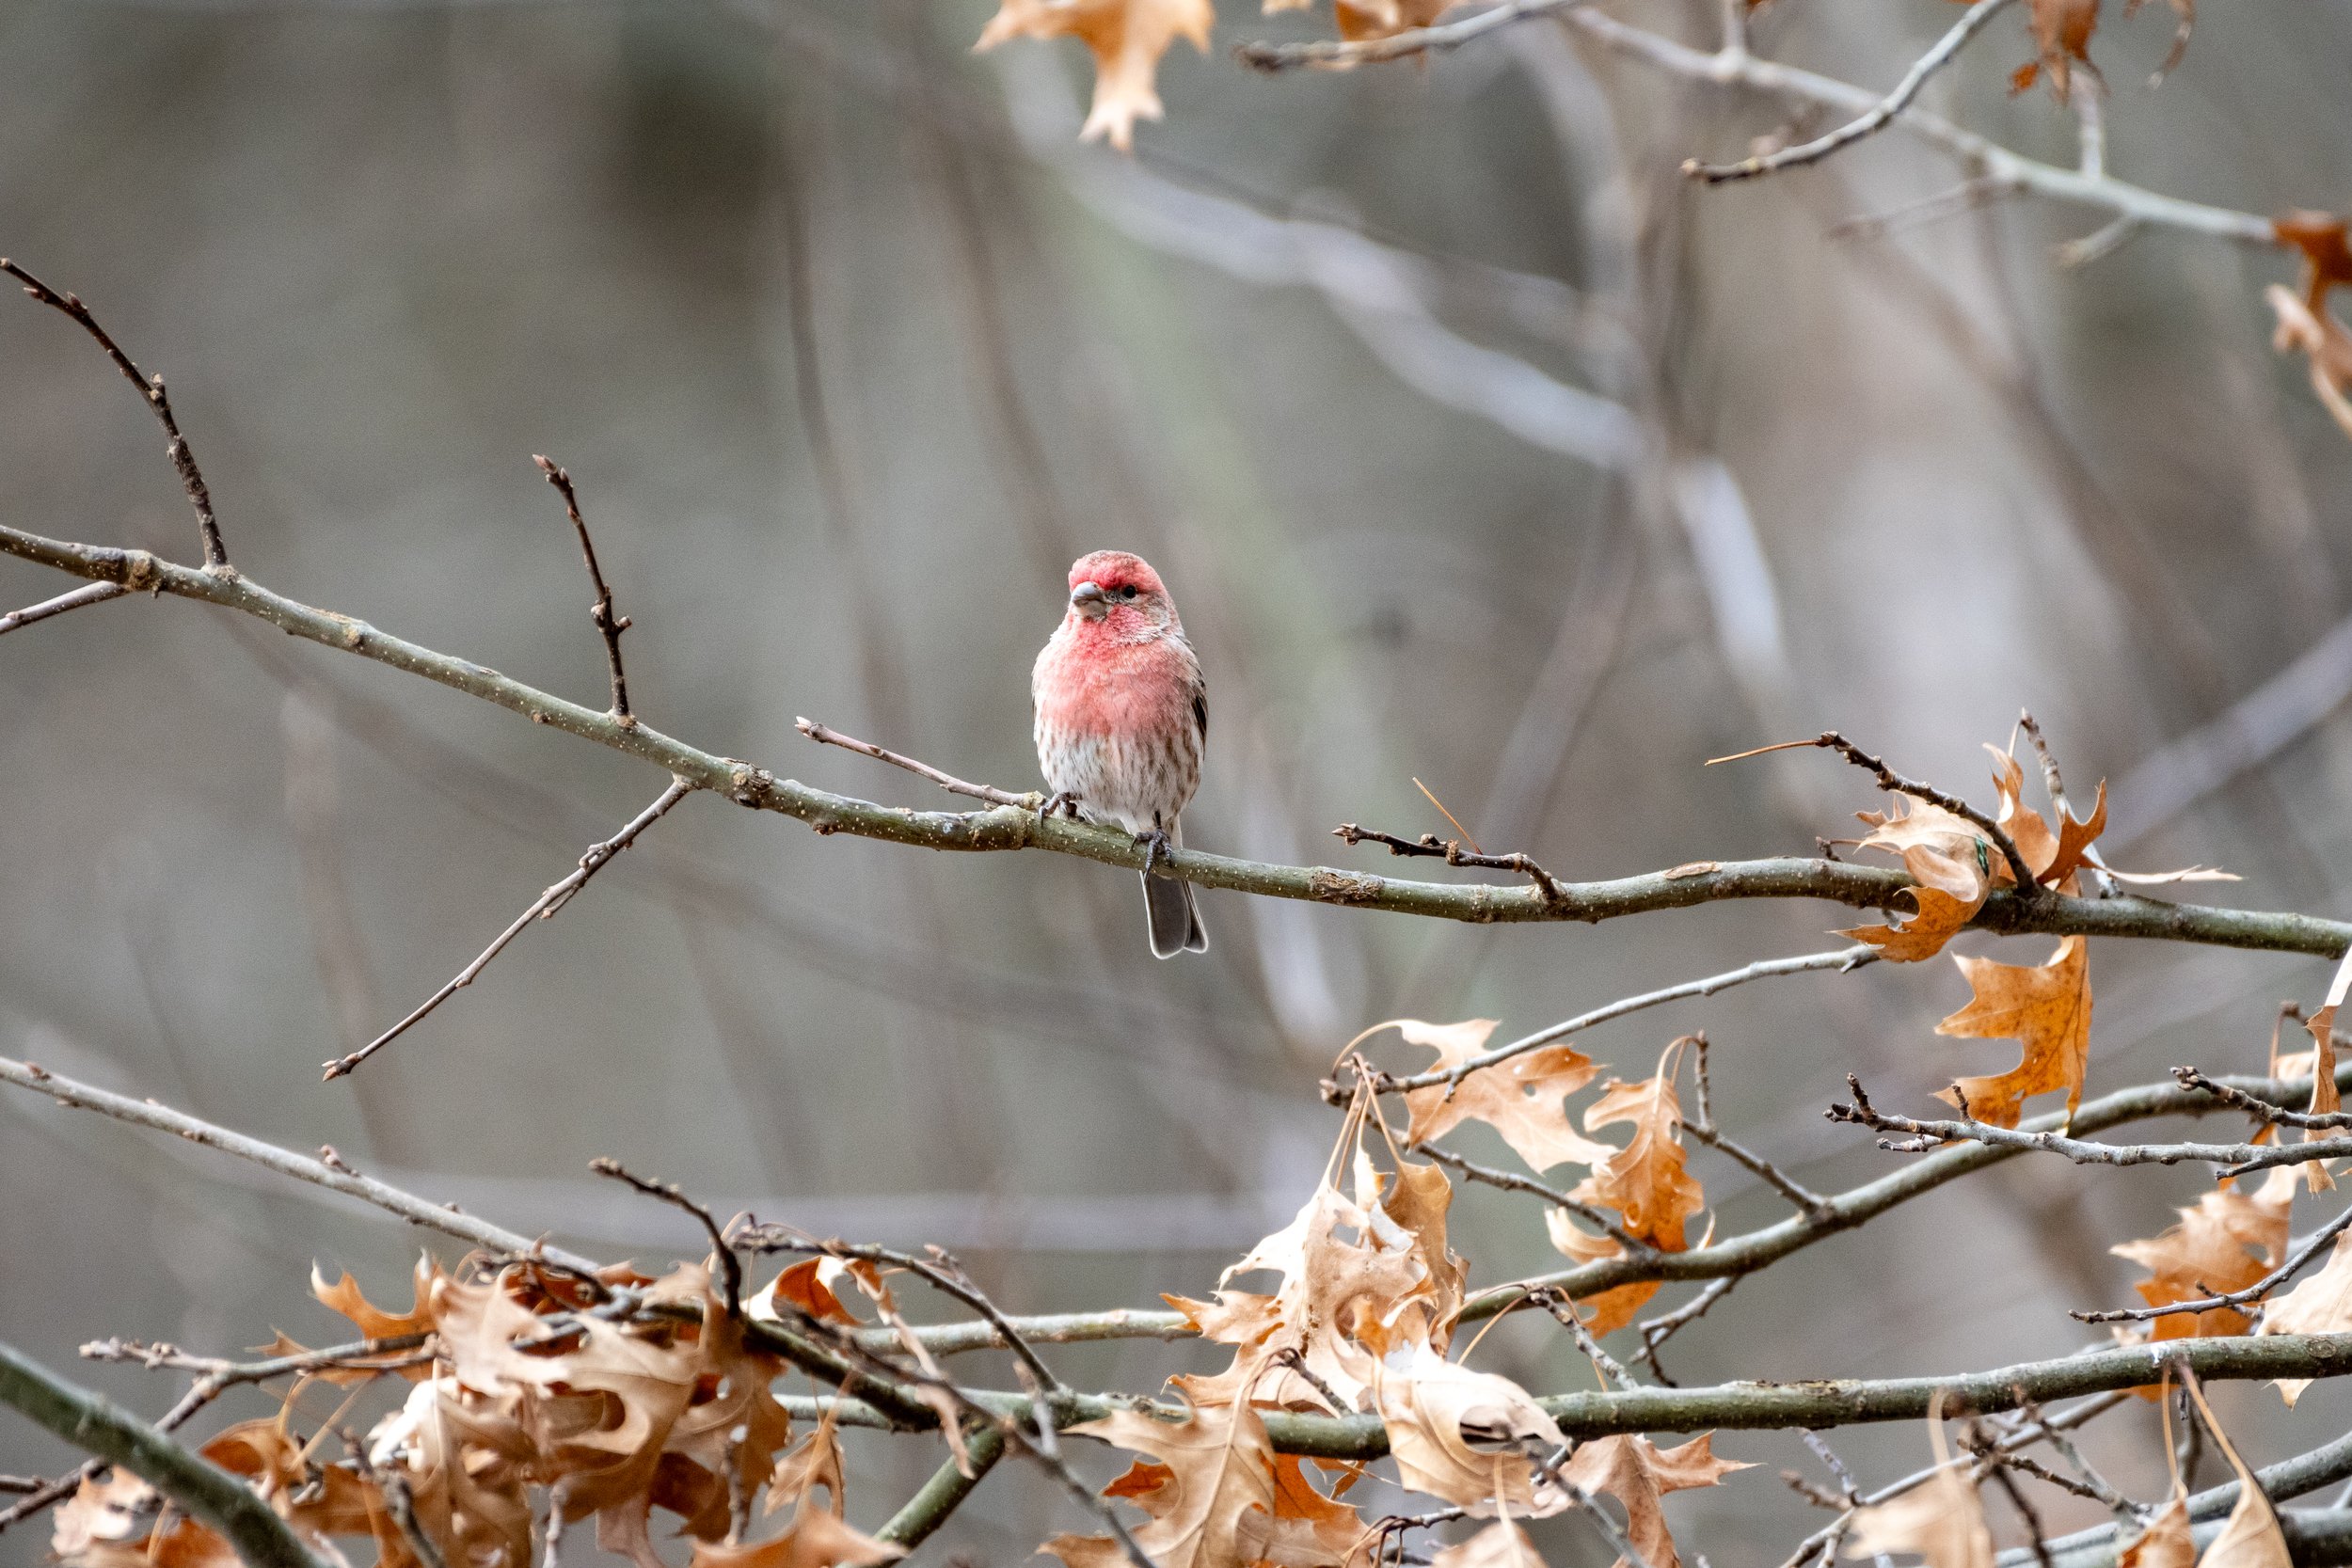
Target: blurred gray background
1476, 447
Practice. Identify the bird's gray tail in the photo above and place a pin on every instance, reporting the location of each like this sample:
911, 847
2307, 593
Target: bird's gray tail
1175, 923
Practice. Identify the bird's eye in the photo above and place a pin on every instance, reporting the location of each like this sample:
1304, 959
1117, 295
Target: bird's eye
1128, 591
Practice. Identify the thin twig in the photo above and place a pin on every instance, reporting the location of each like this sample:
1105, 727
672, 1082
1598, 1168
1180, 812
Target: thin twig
1841, 960
97, 593
1655, 1331
2052, 780
1563, 1311
1880, 115
826, 735
542, 907
416, 1211
608, 624
944, 1273
1273, 58
1918, 789
2237, 1100
152, 388
730, 1266
1452, 852
2233, 1158
2026, 1511
1510, 1181
1702, 1127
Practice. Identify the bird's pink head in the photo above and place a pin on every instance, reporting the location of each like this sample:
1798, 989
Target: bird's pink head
1120, 592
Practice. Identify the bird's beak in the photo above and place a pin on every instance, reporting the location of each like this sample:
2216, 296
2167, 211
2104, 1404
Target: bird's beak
1089, 600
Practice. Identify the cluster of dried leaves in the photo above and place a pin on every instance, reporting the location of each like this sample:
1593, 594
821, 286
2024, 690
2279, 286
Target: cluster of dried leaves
537, 1392
1365, 1301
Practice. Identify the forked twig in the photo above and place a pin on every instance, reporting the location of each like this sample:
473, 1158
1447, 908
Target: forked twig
96, 593
608, 625
730, 1266
152, 388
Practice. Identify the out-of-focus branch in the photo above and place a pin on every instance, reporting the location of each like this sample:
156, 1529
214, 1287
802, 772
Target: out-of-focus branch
1434, 39
1996, 162
341, 1177
542, 907
943, 1493
207, 1493
97, 593
1875, 118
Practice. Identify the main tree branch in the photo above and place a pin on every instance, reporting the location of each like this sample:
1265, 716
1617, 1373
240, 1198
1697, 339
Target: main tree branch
1007, 827
209, 1494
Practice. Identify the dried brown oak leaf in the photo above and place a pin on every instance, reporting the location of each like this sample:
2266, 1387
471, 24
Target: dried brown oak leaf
2319, 1304
2165, 1542
816, 1538
2224, 1242
111, 1522
2306, 325
1647, 1182
1211, 1498
1501, 1544
1359, 1275
1941, 1521
2061, 32
1521, 1096
2046, 1009
1639, 1474
1126, 38
1953, 864
1462, 1436
2250, 1537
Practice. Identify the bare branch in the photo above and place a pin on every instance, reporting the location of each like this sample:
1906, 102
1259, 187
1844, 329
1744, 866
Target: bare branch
944, 1492
1452, 853
1880, 115
97, 593
152, 388
2233, 1158
542, 907
944, 1273
1840, 958
825, 735
1009, 828
1271, 57
1895, 783
207, 1493
608, 624
416, 1211
2238, 1099
730, 1266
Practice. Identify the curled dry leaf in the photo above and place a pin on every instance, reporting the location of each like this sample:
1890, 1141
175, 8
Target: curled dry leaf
1501, 1544
1956, 866
1210, 1496
814, 1539
1952, 866
2319, 1304
1462, 1436
2046, 1009
1942, 1520
2306, 326
1522, 1096
1360, 1275
2250, 1537
2225, 1241
1647, 1182
2165, 1542
1126, 38
1639, 1474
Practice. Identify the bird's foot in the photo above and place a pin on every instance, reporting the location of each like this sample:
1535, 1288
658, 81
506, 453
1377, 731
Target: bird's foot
1061, 800
1156, 848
